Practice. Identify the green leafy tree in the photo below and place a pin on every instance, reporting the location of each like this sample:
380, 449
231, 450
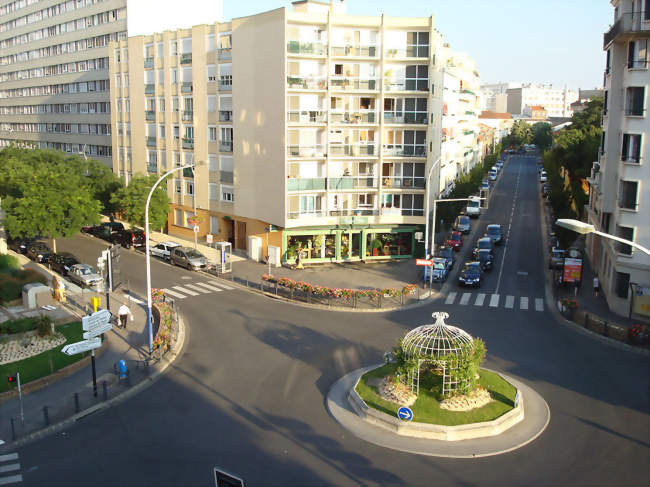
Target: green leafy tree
98, 177
131, 201
542, 135
519, 134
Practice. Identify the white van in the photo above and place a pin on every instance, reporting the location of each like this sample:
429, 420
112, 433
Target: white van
473, 207
492, 175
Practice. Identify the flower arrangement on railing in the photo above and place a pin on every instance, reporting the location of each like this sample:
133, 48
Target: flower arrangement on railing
336, 292
639, 334
569, 303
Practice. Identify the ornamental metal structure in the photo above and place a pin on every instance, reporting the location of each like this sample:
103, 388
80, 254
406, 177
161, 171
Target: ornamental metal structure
441, 345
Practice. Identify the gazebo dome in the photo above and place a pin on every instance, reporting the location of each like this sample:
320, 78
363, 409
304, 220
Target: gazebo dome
436, 340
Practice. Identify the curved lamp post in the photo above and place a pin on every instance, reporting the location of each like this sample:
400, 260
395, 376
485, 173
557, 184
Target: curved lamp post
426, 212
585, 228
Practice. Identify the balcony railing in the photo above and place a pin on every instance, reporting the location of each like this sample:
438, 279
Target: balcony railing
306, 47
225, 53
152, 167
413, 51
358, 51
150, 115
149, 89
187, 87
408, 85
637, 64
151, 142
352, 83
306, 184
186, 58
225, 115
313, 150
628, 23
188, 143
407, 117
226, 176
361, 116
295, 215
307, 82
148, 62
225, 146
225, 82
408, 182
355, 212
352, 150
634, 112
306, 116
636, 159
628, 205
187, 115
352, 182
405, 151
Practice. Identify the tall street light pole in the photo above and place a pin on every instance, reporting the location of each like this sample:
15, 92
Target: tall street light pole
585, 228
147, 254
426, 213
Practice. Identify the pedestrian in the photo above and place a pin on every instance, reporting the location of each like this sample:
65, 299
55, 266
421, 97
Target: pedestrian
596, 286
58, 287
124, 312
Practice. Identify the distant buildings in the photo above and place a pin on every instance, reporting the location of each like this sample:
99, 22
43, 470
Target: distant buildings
556, 102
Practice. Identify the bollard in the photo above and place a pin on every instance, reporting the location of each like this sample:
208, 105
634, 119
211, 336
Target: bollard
123, 369
379, 300
276, 288
46, 416
247, 282
76, 402
105, 389
586, 320
13, 430
605, 330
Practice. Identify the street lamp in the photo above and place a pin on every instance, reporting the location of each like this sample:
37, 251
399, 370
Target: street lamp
147, 254
426, 214
585, 228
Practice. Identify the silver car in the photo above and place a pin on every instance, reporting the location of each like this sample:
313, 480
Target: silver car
85, 276
191, 259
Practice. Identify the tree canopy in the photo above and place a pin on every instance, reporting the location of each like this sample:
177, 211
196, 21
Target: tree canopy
520, 134
132, 200
542, 135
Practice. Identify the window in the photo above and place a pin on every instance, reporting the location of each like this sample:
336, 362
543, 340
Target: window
177, 188
226, 163
161, 131
161, 104
173, 48
213, 191
151, 104
178, 217
210, 42
163, 159
628, 195
188, 216
187, 75
173, 75
189, 188
417, 44
637, 52
188, 158
212, 133
176, 131
159, 49
227, 193
635, 101
213, 163
631, 148
186, 45
622, 284
174, 103
214, 225
628, 234
189, 131
160, 75
417, 77
212, 103
212, 72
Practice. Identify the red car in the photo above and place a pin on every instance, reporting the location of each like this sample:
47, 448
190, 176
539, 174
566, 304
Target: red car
455, 240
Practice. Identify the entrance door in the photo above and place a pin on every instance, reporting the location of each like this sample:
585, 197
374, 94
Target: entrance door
240, 236
350, 245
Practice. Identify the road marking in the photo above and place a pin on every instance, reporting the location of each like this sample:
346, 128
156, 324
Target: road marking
224, 286
136, 300
494, 301
174, 294
480, 298
212, 288
450, 299
523, 303
522, 273
11, 480
10, 456
464, 299
510, 302
186, 291
186, 277
10, 468
507, 239
539, 304
197, 288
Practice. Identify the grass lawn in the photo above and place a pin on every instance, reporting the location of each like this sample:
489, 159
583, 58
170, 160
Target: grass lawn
427, 409
45, 363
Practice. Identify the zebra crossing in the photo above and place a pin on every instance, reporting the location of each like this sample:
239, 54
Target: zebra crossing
195, 289
10, 469
523, 303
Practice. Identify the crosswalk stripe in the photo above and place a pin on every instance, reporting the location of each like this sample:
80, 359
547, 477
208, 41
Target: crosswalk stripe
494, 301
450, 299
510, 301
480, 298
174, 294
186, 291
465, 298
197, 288
10, 456
9, 468
523, 303
224, 286
207, 286
11, 479
539, 304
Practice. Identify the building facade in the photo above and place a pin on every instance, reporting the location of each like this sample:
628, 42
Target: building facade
54, 84
556, 102
619, 194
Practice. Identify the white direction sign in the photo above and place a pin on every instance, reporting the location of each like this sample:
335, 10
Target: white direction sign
97, 330
84, 346
96, 319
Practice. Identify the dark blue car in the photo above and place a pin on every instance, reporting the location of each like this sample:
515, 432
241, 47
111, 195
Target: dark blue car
471, 274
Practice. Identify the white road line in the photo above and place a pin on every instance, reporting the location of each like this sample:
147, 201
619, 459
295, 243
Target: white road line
174, 294
10, 456
197, 288
184, 290
11, 480
539, 304
523, 302
494, 301
507, 239
510, 302
9, 468
480, 298
464, 299
136, 300
207, 286
450, 299
224, 286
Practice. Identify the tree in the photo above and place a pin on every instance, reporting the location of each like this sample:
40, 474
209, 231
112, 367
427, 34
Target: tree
542, 135
131, 201
519, 134
101, 181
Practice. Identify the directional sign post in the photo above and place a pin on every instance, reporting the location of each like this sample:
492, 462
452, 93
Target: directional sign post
96, 319
97, 330
405, 414
84, 346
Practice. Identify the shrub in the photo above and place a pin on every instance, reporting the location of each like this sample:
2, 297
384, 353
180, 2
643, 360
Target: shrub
8, 262
17, 326
44, 325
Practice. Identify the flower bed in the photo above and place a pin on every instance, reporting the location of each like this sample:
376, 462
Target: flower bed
166, 321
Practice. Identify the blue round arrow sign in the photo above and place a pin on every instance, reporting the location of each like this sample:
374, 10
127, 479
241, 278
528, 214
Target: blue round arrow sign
405, 414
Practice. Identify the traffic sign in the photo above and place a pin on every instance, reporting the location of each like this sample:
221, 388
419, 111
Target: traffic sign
97, 330
84, 346
427, 262
196, 229
405, 414
96, 319
209, 238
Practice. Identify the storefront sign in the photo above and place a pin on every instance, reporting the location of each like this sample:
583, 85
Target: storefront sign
423, 262
641, 300
351, 220
572, 270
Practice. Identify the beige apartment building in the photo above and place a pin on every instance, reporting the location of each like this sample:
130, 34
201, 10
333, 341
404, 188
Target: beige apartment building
54, 86
315, 124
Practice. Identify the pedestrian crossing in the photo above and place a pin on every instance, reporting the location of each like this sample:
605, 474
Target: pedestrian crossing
196, 289
10, 469
509, 301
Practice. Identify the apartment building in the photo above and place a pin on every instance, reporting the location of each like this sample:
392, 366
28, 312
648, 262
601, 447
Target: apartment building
54, 85
310, 121
556, 102
619, 195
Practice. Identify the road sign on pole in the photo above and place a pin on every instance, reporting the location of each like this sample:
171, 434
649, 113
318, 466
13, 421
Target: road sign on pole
96, 319
83, 346
405, 414
427, 262
97, 330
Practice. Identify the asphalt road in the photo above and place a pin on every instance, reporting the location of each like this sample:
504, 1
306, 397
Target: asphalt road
248, 392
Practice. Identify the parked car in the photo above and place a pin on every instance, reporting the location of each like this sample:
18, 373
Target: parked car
542, 177
62, 262
483, 243
499, 164
441, 268
473, 207
38, 252
188, 258
492, 175
471, 274
19, 245
129, 238
556, 258
485, 258
494, 233
447, 253
85, 276
106, 230
455, 241
485, 184
544, 189
463, 224
163, 249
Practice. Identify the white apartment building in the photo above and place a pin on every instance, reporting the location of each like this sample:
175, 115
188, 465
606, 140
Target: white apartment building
556, 102
619, 189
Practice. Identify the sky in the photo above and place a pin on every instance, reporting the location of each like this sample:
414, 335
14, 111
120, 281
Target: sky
538, 41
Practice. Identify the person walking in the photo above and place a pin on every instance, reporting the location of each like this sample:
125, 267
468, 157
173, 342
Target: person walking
124, 312
596, 286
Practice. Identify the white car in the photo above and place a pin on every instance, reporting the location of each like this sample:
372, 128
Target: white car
492, 176
542, 177
163, 249
85, 276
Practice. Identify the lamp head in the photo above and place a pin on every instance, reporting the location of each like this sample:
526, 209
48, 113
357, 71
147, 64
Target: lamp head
575, 225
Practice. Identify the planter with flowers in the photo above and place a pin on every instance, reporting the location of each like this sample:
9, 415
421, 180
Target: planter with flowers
568, 307
639, 334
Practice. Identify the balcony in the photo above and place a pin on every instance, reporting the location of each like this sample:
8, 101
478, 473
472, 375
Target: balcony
149, 89
370, 50
187, 115
225, 115
352, 83
188, 143
361, 116
225, 82
306, 184
148, 62
186, 58
151, 142
306, 116
628, 25
634, 112
409, 52
407, 117
150, 115
187, 87
352, 182
152, 167
225, 53
420, 85
306, 82
316, 48
352, 150
225, 146
405, 151
313, 150
354, 212
226, 177
403, 182
297, 215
